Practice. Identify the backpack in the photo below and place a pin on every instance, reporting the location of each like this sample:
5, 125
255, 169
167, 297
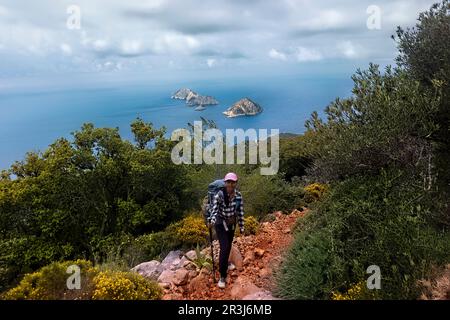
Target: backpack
213, 188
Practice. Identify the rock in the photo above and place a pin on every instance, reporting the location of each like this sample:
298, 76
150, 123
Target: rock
264, 273
286, 231
201, 100
242, 288
259, 252
165, 285
244, 107
199, 283
182, 94
193, 98
191, 255
231, 267
177, 277
180, 277
260, 295
150, 269
172, 258
236, 257
200, 108
278, 214
192, 274
176, 264
166, 276
249, 257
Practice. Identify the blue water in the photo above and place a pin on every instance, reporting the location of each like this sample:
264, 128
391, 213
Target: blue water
31, 119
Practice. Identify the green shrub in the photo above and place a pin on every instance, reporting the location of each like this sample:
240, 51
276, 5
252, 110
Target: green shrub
148, 247
369, 221
266, 194
304, 272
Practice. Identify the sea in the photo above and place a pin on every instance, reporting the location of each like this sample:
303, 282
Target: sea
36, 112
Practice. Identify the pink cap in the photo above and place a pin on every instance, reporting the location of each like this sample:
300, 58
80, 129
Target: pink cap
231, 176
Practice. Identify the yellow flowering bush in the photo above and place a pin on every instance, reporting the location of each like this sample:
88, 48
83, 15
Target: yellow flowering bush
50, 283
190, 230
118, 285
251, 225
315, 191
358, 291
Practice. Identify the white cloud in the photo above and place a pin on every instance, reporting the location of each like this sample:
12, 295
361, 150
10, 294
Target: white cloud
277, 55
347, 49
323, 20
210, 62
3, 11
66, 49
131, 47
100, 45
231, 32
305, 54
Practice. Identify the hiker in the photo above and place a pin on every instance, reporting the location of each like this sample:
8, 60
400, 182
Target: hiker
227, 210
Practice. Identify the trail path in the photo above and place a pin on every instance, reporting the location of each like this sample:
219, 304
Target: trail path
256, 259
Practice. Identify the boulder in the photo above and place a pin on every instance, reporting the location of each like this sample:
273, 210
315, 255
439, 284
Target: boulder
236, 258
242, 288
166, 276
244, 107
199, 283
172, 258
191, 254
150, 269
180, 277
260, 295
177, 277
165, 285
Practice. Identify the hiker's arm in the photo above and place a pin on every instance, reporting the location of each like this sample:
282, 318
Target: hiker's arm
215, 209
241, 215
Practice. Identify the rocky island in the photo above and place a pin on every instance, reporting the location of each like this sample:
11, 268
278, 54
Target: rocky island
193, 98
244, 107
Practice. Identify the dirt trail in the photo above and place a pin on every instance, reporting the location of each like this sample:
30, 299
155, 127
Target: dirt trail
259, 256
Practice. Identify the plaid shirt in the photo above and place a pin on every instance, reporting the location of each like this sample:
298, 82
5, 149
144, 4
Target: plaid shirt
224, 211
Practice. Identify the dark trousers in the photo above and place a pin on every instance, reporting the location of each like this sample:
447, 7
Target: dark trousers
225, 240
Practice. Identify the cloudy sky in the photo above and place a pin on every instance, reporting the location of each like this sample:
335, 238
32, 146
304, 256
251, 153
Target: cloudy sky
45, 36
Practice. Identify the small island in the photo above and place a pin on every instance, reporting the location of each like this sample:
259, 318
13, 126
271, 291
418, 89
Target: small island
193, 98
244, 107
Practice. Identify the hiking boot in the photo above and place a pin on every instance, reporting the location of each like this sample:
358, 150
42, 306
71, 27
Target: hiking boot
221, 283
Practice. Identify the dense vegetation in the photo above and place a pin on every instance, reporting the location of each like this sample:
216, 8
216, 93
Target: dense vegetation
376, 171
385, 153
